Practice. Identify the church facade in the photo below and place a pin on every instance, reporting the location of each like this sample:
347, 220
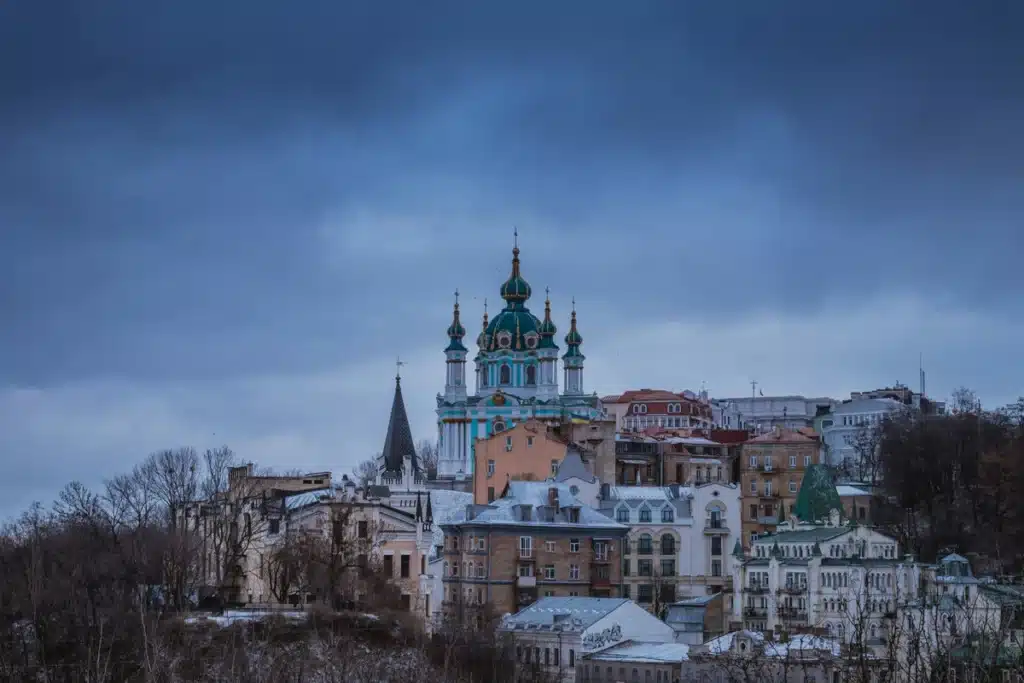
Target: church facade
516, 377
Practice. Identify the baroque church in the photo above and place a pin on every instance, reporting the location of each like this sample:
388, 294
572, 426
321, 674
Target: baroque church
516, 368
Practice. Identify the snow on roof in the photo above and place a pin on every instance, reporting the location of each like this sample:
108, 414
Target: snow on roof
847, 490
299, 500
572, 466
798, 643
640, 493
691, 441
574, 614
445, 506
535, 494
867, 405
644, 652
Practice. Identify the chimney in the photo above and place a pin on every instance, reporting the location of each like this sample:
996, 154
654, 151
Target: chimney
606, 491
553, 496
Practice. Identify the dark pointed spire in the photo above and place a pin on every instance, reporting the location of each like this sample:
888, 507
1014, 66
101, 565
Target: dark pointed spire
398, 443
419, 508
430, 510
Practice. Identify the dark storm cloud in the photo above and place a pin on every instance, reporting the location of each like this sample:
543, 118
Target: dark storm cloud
167, 169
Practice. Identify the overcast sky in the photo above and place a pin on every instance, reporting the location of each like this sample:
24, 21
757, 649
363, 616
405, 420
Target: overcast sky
221, 221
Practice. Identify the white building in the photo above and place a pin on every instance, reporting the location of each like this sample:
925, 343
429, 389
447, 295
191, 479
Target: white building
582, 483
840, 431
679, 541
762, 413
846, 580
555, 633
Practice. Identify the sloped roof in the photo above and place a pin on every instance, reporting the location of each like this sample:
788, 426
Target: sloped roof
580, 613
643, 652
572, 466
783, 436
398, 443
814, 534
503, 511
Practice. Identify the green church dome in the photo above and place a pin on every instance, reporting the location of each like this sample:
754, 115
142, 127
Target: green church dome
516, 289
456, 331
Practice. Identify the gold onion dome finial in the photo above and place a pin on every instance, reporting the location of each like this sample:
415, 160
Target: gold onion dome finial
574, 338
547, 328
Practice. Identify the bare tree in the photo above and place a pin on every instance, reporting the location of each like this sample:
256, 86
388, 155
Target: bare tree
426, 454
366, 472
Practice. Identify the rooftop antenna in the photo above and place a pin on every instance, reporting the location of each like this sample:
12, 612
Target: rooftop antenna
920, 370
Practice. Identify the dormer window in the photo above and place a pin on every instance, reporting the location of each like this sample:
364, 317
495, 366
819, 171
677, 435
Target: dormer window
527, 512
574, 515
645, 515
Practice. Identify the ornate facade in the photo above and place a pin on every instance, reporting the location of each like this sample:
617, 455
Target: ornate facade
516, 377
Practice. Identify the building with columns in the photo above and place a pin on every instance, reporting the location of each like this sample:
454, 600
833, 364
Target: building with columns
516, 377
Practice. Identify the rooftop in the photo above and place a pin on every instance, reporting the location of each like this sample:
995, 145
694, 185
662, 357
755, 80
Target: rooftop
508, 509
643, 652
783, 436
570, 614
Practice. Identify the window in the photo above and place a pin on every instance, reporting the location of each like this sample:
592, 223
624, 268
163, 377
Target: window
644, 568
529, 442
505, 376
549, 546
508, 444
668, 567
753, 511
525, 546
716, 567
601, 551
753, 486
645, 515
716, 545
574, 571
768, 463
668, 515
531, 375
549, 572
554, 467
646, 545
404, 568
622, 516
574, 515
768, 488
526, 570
572, 657
625, 591
490, 468
807, 461
389, 565
792, 461
574, 490
753, 461
364, 531
574, 545
645, 595
490, 494
626, 563
668, 544
792, 486
274, 526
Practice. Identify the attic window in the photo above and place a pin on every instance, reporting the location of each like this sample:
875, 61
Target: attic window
527, 511
574, 515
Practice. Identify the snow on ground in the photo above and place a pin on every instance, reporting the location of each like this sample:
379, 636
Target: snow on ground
230, 617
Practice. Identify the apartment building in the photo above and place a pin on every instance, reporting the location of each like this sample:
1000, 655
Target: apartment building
679, 540
536, 540
772, 468
529, 451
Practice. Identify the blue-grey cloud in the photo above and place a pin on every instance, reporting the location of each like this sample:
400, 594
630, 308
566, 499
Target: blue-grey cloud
211, 192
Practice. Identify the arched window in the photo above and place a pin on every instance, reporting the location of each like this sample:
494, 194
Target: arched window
483, 376
505, 375
531, 375
646, 545
668, 544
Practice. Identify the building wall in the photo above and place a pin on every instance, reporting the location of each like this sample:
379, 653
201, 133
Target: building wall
500, 586
597, 438
525, 452
785, 481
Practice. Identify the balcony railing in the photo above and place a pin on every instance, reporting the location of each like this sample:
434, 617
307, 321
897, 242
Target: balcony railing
792, 613
755, 612
793, 588
526, 581
757, 588
714, 528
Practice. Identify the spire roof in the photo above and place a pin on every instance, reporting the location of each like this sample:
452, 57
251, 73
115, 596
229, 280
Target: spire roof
574, 339
817, 496
547, 328
398, 443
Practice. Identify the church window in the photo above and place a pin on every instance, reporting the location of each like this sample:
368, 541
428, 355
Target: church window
531, 341
506, 375
529, 442
508, 443
531, 375
483, 376
499, 425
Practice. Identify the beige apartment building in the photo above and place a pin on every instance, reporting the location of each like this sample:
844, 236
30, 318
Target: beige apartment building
537, 540
772, 467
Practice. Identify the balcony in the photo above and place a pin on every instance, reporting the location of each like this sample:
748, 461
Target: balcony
715, 528
756, 588
526, 581
793, 589
792, 613
756, 612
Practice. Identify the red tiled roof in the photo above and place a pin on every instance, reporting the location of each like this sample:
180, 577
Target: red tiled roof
634, 395
729, 436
